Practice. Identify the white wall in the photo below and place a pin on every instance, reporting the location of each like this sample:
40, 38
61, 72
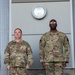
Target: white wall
33, 28
73, 5
4, 33
21, 17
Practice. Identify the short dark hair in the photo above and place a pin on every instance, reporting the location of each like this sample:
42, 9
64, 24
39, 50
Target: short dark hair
53, 20
18, 29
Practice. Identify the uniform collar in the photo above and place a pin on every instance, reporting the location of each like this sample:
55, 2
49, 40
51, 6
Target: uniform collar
17, 42
57, 32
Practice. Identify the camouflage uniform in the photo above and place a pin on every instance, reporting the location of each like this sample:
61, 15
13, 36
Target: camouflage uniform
18, 55
54, 49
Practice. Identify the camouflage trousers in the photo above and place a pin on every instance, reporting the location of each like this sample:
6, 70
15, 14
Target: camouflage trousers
54, 68
18, 71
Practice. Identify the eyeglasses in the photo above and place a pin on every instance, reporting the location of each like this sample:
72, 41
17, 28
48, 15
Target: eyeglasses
52, 22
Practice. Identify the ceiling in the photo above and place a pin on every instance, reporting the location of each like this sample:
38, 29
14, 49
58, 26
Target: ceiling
26, 1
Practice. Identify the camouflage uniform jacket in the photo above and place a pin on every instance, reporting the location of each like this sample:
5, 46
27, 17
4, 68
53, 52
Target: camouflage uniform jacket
54, 47
18, 54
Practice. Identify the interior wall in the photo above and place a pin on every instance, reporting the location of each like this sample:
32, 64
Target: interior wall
33, 28
4, 33
74, 26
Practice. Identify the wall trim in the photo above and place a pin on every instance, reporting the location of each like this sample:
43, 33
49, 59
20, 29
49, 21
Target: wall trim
32, 1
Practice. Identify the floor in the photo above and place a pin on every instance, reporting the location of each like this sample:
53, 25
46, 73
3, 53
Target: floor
41, 72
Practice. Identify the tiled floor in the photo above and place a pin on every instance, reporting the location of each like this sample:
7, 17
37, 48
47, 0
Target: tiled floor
40, 71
